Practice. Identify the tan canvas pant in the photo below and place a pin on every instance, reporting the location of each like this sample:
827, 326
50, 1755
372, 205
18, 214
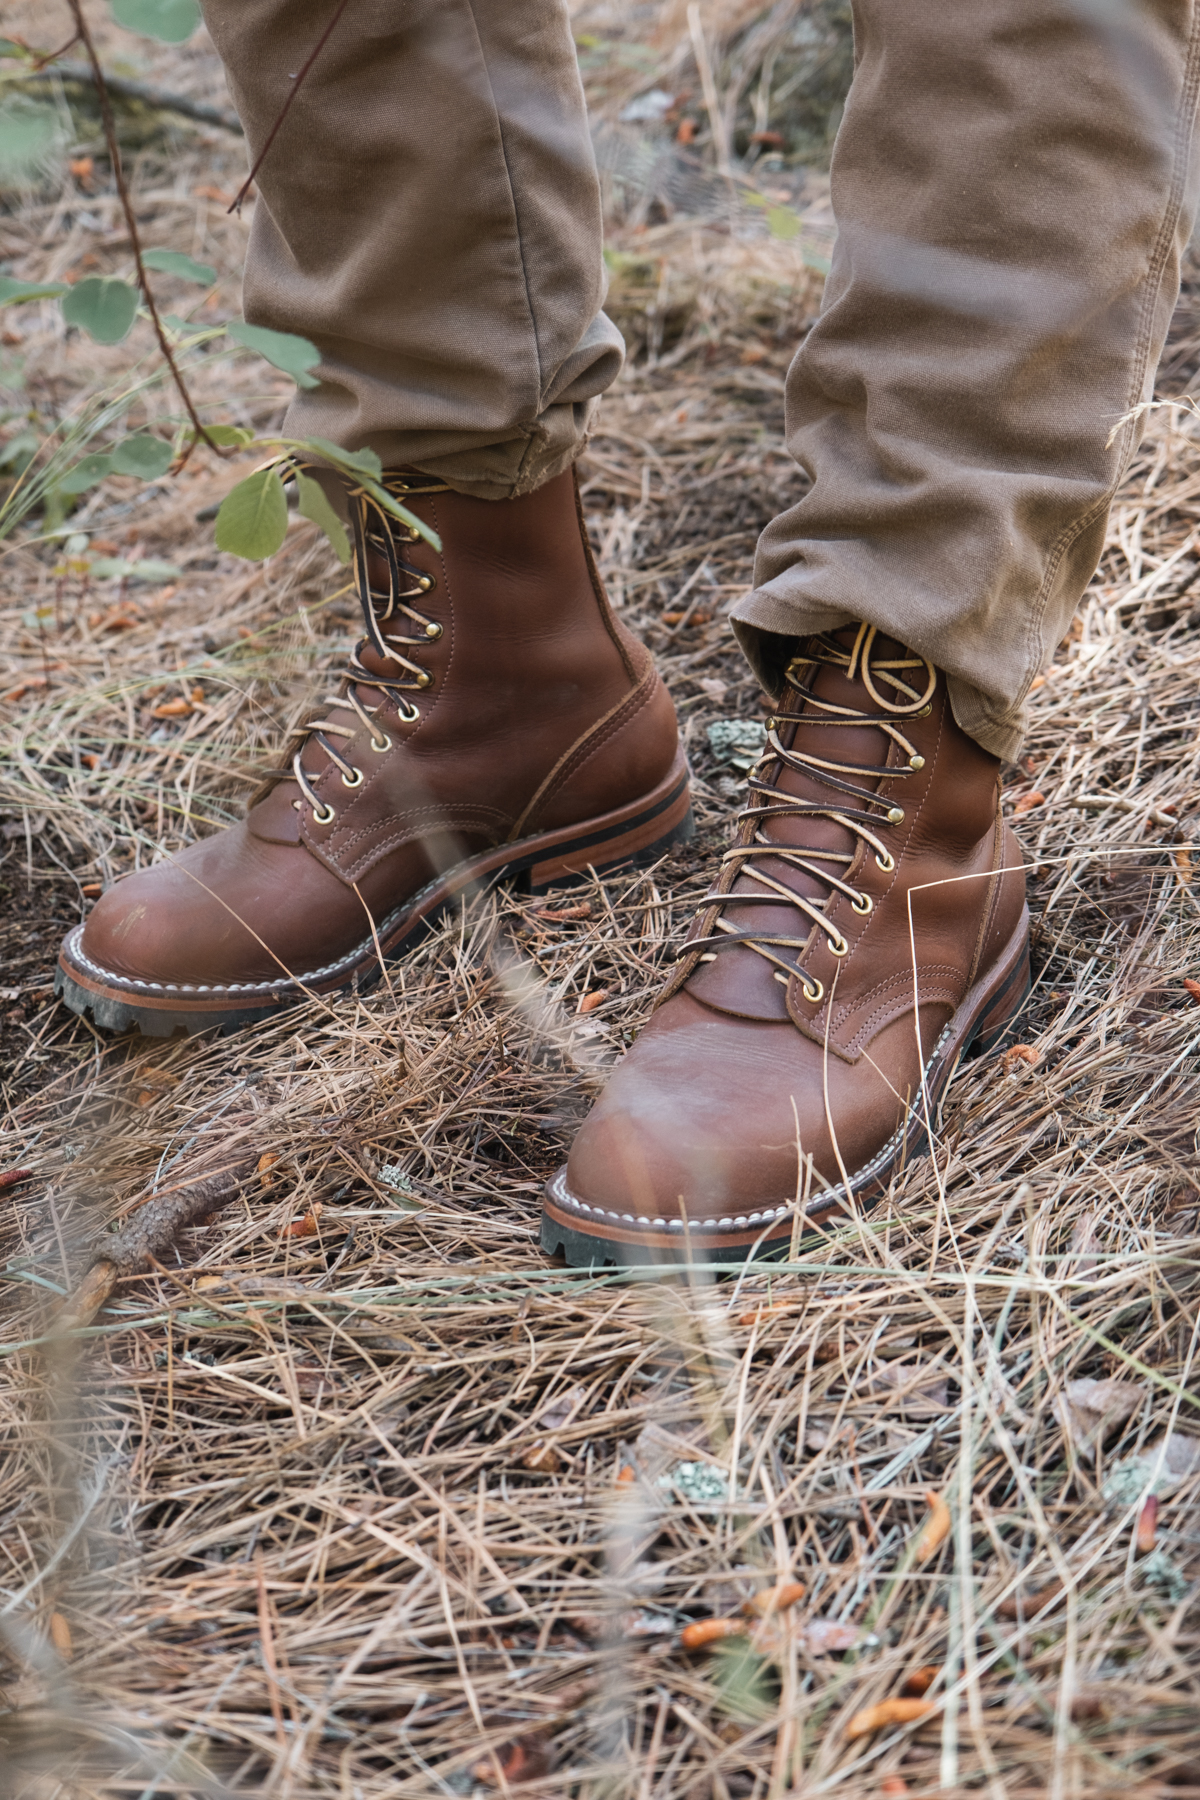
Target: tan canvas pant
1014, 183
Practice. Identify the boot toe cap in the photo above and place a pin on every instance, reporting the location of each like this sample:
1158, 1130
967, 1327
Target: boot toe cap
695, 1126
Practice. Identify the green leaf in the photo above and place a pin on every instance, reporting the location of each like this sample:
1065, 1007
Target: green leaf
26, 135
783, 223
170, 20
142, 455
365, 461
294, 355
174, 262
19, 451
230, 436
85, 474
12, 291
252, 518
393, 506
10, 47
103, 306
314, 505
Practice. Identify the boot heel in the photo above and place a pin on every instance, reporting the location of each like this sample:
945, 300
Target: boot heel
997, 1023
631, 839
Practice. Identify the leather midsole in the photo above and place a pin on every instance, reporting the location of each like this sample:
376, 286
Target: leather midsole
554, 855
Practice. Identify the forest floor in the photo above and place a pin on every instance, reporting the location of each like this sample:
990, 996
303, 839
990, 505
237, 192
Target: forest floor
392, 1507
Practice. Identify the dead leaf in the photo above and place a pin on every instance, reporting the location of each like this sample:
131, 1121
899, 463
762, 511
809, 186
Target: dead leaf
704, 1632
1193, 987
774, 1599
307, 1226
10, 1177
918, 1684
266, 1163
1181, 1456
1147, 1525
60, 1636
1084, 1243
1018, 1053
1025, 1606
310, 1384
560, 1410
923, 1392
626, 1476
541, 1458
936, 1528
1088, 1707
825, 1637
1183, 867
527, 1759
1027, 802
759, 1315
1088, 1409
591, 1001
894, 1787
562, 915
161, 1080
888, 1712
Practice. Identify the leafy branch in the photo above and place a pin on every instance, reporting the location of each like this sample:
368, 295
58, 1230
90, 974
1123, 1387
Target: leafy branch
252, 520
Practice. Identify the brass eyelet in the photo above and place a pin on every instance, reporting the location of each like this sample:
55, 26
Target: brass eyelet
423, 680
357, 782
841, 948
379, 746
814, 994
323, 815
433, 630
887, 864
425, 583
895, 815
868, 906
916, 762
407, 712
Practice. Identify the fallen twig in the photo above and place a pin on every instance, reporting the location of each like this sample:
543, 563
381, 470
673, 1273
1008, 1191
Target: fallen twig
160, 99
151, 1231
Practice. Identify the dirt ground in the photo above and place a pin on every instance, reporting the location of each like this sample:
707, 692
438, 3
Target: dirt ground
385, 1505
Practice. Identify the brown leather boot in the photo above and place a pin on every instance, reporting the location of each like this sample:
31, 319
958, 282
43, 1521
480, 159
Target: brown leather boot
868, 928
496, 721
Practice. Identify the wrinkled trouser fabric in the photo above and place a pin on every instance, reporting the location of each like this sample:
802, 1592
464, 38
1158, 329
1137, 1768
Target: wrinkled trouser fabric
1014, 183
429, 216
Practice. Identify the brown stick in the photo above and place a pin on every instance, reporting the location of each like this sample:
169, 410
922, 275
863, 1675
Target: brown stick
297, 83
114, 152
151, 1231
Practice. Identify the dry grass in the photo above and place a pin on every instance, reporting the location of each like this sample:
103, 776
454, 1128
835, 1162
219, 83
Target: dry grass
396, 1509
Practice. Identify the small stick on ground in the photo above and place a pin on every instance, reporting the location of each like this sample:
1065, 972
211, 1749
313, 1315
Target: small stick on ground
152, 1231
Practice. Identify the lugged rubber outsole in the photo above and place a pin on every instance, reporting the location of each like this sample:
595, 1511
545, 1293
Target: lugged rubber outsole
981, 1025
632, 836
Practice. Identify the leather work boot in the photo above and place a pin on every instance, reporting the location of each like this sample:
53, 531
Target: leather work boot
496, 721
868, 928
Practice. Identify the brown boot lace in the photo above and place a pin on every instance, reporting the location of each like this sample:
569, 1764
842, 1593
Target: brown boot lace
859, 661
376, 531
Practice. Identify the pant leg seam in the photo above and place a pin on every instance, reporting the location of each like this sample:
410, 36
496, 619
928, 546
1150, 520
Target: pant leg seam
516, 211
1184, 133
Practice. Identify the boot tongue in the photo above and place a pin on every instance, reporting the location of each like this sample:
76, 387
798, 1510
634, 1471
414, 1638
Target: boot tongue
739, 980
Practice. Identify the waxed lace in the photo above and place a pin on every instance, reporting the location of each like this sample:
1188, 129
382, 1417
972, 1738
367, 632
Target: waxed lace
863, 816
372, 529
